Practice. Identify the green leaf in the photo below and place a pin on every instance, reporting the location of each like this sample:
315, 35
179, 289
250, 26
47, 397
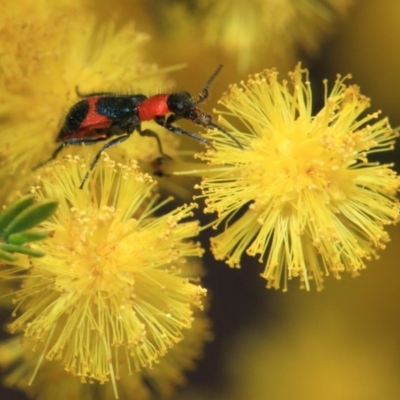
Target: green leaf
31, 217
14, 209
31, 235
7, 256
13, 248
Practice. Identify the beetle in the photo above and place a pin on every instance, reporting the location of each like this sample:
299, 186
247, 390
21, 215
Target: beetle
181, 105
100, 116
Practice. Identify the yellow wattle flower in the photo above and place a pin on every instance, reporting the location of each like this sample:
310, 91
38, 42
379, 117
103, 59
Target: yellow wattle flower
51, 381
115, 286
315, 204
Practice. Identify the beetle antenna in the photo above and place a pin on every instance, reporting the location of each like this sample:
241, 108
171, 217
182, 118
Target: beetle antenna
226, 133
204, 93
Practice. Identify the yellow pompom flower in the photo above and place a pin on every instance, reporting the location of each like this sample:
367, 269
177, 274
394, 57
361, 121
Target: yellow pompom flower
113, 287
48, 52
315, 204
51, 381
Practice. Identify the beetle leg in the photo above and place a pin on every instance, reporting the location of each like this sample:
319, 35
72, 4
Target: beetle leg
109, 144
150, 133
75, 141
53, 156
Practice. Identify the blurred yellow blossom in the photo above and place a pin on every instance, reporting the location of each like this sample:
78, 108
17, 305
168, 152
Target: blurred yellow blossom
270, 30
47, 52
315, 204
113, 287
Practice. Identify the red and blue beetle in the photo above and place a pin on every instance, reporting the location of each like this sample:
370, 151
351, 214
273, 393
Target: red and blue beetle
101, 116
